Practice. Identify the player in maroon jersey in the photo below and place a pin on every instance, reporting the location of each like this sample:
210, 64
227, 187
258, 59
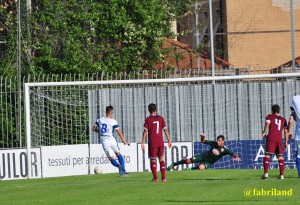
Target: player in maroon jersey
275, 124
154, 124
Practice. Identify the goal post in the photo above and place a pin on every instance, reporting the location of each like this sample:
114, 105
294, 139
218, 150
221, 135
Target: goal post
191, 105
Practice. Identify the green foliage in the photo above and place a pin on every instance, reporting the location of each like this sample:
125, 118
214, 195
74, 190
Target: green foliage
177, 8
91, 36
8, 38
9, 132
80, 36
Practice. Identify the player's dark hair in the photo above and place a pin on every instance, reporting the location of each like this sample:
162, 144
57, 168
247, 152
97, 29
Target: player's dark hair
109, 109
221, 136
275, 108
152, 108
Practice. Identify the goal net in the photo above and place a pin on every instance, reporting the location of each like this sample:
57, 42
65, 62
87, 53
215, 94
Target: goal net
63, 113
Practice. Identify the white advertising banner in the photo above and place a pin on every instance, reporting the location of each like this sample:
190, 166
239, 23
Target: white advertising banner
13, 164
98, 158
65, 160
69, 160
178, 151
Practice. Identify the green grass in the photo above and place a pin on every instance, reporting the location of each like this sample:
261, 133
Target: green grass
185, 187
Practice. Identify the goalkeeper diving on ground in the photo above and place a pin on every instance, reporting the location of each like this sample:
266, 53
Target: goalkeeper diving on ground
206, 159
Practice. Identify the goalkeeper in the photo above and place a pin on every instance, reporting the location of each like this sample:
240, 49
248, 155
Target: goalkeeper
205, 160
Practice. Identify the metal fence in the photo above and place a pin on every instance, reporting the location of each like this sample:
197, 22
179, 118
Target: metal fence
236, 110
244, 97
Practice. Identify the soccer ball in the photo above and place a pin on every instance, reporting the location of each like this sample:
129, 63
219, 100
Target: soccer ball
98, 170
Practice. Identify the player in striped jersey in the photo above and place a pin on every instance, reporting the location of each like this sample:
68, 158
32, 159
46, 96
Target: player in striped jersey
106, 126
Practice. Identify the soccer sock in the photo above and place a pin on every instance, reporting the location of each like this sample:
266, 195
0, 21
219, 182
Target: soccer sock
281, 166
298, 165
179, 162
114, 162
266, 164
194, 168
153, 169
121, 161
162, 169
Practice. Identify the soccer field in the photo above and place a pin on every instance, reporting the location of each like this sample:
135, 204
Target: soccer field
183, 187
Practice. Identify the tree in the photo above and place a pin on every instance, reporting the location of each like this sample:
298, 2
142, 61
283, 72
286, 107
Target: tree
8, 38
80, 36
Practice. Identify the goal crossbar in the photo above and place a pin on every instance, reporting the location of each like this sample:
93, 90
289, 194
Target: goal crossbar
163, 80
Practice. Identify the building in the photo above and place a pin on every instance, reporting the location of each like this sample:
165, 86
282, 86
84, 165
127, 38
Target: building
178, 55
287, 67
248, 33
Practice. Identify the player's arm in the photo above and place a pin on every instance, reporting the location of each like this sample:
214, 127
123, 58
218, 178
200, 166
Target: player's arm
143, 139
95, 128
294, 115
291, 121
290, 124
122, 136
264, 132
286, 134
204, 141
168, 137
287, 137
202, 135
146, 127
234, 155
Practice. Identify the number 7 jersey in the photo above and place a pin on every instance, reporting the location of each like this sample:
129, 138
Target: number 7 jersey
276, 126
155, 124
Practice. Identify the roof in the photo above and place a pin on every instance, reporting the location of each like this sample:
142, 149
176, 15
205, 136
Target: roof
182, 56
286, 66
289, 63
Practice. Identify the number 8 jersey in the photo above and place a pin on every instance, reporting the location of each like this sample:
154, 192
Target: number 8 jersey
154, 124
106, 127
277, 124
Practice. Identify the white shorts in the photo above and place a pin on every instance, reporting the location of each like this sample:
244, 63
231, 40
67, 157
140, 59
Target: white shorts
110, 148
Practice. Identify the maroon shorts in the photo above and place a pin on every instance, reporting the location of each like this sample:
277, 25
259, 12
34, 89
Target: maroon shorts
273, 147
156, 152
